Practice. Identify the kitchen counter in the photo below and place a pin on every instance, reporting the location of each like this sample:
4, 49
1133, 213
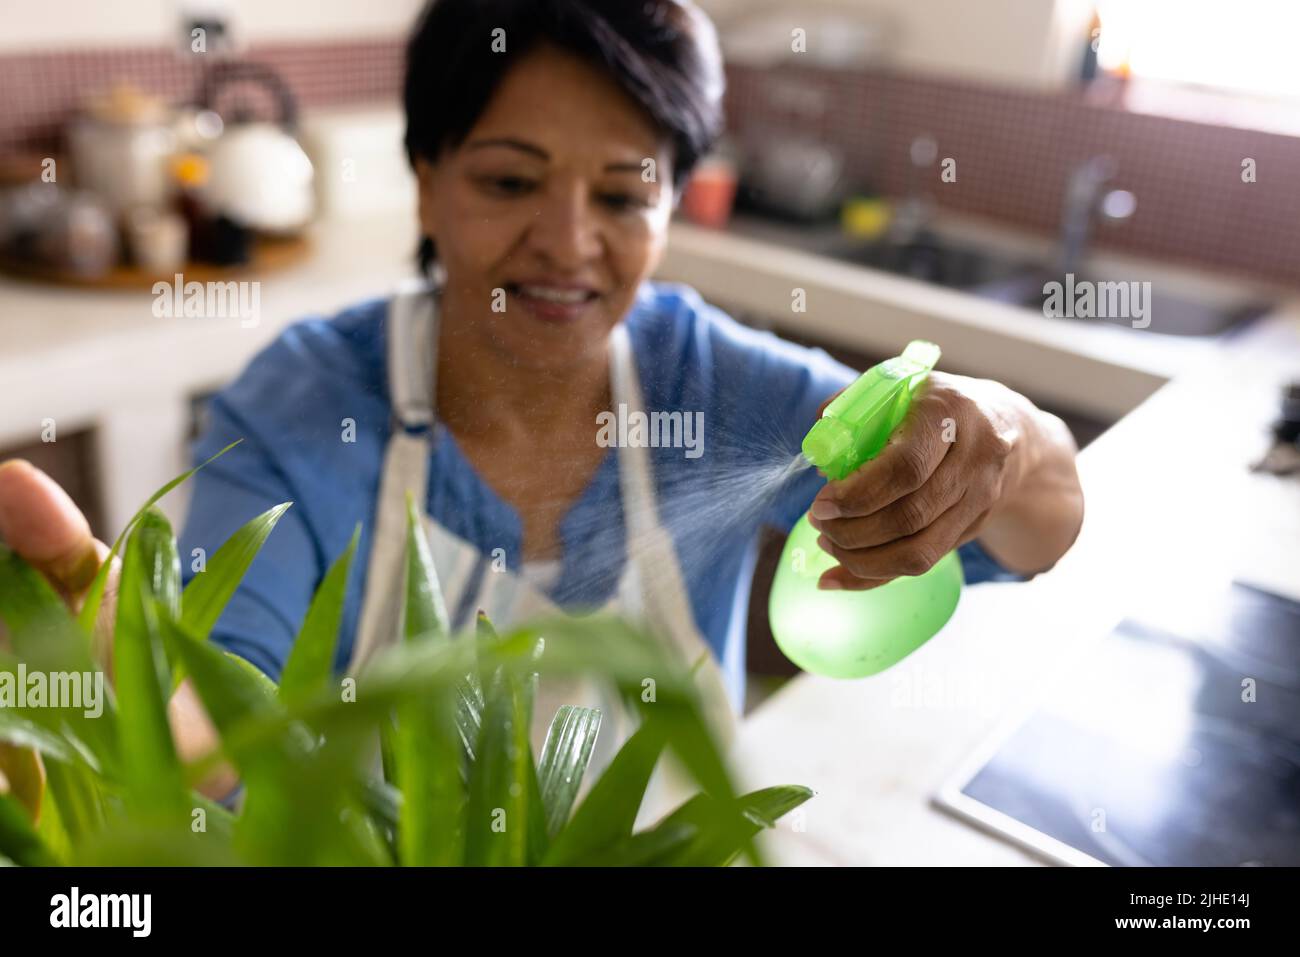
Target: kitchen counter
1168, 496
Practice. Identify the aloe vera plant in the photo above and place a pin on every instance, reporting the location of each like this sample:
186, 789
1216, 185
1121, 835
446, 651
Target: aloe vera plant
450, 715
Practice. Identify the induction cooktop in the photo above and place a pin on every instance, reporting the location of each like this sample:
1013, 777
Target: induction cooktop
1168, 745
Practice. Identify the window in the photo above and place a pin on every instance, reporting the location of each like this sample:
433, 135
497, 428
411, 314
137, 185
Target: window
1238, 46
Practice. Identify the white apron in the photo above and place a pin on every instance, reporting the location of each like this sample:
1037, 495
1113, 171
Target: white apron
651, 589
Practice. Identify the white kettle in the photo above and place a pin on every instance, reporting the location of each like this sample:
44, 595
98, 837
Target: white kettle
260, 176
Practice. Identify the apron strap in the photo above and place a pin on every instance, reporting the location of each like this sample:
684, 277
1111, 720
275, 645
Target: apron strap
412, 331
640, 506
405, 469
412, 347
658, 591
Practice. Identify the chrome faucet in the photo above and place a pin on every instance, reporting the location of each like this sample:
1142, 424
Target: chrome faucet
914, 213
1085, 200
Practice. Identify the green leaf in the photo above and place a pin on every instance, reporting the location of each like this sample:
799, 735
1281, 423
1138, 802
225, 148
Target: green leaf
427, 743
134, 845
608, 645
18, 838
487, 644
256, 676
206, 595
566, 752
383, 801
401, 674
44, 633
151, 771
300, 804
235, 692
496, 820
609, 811
363, 840
220, 822
51, 829
653, 848
469, 713
430, 828
231, 689
531, 677
539, 838
68, 736
162, 563
77, 794
21, 732
417, 669
470, 703
766, 806
161, 571
95, 594
523, 689
48, 639
428, 771
232, 693
311, 660
724, 828
426, 610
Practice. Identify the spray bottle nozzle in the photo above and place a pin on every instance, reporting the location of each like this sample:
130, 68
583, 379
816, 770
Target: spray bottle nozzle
829, 439
856, 426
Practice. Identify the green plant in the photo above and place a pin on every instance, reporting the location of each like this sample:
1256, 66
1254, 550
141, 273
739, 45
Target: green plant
450, 715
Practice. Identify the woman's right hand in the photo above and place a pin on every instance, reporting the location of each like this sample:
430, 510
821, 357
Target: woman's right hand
40, 522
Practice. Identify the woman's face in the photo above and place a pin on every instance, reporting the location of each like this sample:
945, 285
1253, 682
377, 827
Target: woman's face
546, 218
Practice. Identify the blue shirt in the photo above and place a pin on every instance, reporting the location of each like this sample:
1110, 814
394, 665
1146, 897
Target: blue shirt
757, 393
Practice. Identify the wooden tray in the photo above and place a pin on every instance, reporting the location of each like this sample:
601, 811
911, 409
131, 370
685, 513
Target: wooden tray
269, 254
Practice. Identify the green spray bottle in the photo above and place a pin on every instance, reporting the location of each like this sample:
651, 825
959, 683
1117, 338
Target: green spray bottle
848, 634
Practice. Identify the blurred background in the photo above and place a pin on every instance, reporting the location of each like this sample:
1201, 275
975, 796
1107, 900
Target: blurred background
893, 169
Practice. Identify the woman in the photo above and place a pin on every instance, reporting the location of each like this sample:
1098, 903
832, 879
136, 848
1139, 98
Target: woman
551, 139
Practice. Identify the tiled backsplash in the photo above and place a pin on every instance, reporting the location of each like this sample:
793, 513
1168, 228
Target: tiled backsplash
40, 89
1013, 149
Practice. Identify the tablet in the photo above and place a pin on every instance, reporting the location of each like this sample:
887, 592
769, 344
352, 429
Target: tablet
1163, 746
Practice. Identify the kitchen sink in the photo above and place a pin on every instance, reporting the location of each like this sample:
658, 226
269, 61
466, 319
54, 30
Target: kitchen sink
991, 272
934, 259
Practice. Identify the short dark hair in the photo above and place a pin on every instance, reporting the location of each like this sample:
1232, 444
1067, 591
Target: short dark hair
663, 53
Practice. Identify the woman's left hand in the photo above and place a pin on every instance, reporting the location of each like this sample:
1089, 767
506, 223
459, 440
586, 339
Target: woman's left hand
966, 451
